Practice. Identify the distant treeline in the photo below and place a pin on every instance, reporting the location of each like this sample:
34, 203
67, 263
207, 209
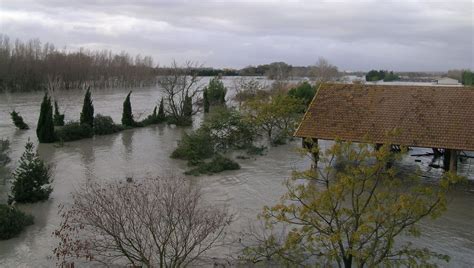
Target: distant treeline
30, 65
321, 70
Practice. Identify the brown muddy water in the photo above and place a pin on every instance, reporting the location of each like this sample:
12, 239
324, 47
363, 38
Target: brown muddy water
144, 152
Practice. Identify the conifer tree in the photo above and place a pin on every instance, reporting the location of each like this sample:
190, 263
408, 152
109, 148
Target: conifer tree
127, 116
188, 107
31, 179
18, 120
87, 114
206, 101
58, 118
45, 128
161, 111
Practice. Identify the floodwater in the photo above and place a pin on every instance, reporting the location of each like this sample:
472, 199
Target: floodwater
144, 152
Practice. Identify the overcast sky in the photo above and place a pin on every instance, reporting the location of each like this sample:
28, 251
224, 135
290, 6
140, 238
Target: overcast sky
354, 35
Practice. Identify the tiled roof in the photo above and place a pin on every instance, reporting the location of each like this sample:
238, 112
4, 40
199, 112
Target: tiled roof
426, 116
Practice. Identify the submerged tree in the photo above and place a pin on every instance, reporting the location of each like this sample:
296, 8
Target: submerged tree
350, 212
205, 99
181, 90
58, 118
45, 127
87, 114
127, 115
216, 91
4, 157
18, 120
277, 116
161, 222
161, 111
32, 179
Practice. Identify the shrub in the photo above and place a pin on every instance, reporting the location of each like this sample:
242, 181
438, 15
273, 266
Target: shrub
215, 92
218, 164
87, 114
154, 118
58, 118
31, 179
229, 130
12, 221
18, 120
72, 131
104, 125
161, 111
4, 148
194, 147
205, 99
45, 129
303, 91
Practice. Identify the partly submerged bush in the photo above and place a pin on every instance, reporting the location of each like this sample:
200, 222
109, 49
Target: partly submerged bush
31, 179
12, 221
194, 146
218, 164
72, 131
229, 130
18, 120
58, 118
154, 118
104, 125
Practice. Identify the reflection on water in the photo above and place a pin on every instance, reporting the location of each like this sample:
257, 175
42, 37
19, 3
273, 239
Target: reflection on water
144, 152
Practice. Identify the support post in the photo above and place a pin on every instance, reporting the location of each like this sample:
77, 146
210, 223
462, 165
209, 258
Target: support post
453, 161
446, 159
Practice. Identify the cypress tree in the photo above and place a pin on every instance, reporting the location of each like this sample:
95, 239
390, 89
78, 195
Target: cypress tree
206, 101
188, 107
31, 178
45, 128
161, 111
18, 120
58, 118
127, 116
87, 114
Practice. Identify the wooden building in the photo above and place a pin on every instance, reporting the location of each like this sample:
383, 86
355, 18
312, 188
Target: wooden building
425, 116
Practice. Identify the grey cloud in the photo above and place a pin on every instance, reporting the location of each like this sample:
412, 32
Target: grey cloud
356, 35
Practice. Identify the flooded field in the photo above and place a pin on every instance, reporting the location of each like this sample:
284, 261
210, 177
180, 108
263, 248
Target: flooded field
144, 152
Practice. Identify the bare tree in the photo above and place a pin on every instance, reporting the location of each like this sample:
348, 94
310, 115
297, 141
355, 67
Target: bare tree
323, 71
182, 90
157, 222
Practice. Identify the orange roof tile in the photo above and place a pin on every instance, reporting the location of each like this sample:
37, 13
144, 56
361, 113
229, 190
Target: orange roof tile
427, 116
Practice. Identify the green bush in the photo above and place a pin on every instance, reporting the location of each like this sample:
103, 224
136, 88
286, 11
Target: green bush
216, 91
194, 147
12, 221
31, 179
72, 131
4, 149
58, 118
18, 120
154, 118
104, 125
217, 164
229, 130
303, 91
